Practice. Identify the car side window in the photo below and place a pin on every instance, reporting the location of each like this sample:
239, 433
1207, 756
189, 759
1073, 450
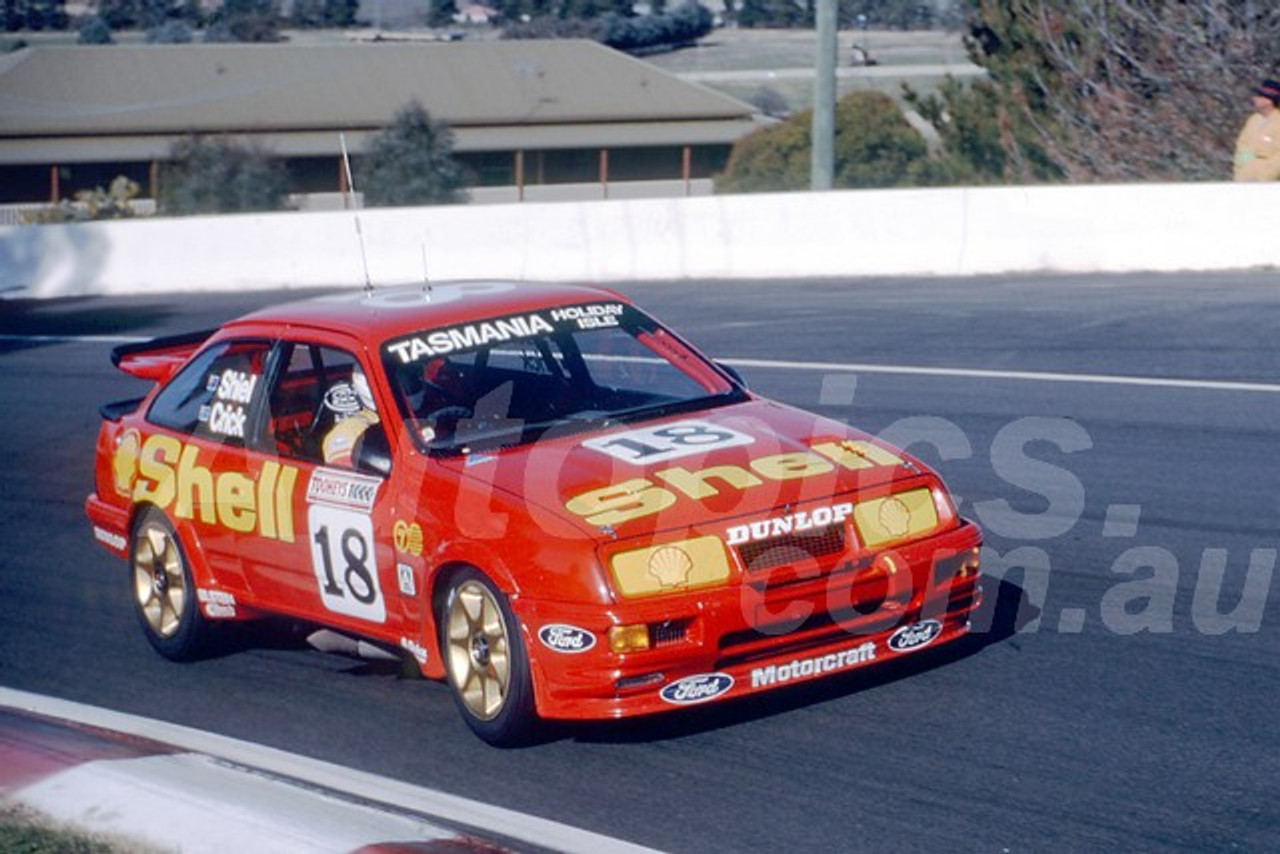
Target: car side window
213, 397
317, 390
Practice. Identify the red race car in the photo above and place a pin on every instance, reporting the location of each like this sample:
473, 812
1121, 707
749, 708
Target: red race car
537, 493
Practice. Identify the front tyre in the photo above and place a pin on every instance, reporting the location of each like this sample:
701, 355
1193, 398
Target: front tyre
485, 660
164, 596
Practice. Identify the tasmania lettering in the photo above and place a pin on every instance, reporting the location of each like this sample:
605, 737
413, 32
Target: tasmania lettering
469, 337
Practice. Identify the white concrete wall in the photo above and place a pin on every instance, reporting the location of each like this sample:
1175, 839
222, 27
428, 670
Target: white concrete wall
843, 233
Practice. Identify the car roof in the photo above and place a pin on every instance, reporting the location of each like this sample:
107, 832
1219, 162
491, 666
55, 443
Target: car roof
379, 314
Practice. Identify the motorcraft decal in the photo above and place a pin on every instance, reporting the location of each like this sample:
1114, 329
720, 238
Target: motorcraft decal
820, 665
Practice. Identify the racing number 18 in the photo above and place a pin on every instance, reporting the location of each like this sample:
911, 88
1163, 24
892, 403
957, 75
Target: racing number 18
344, 562
656, 444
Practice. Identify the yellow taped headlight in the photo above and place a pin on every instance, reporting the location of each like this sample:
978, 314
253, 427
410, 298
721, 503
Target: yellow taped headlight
629, 638
670, 568
895, 517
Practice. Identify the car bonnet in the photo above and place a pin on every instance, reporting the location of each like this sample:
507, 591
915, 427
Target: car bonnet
692, 470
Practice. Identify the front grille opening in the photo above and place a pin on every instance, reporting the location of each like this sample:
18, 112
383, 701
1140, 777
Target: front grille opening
748, 645
792, 548
668, 633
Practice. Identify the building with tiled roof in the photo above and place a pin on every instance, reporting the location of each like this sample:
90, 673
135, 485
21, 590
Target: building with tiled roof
523, 112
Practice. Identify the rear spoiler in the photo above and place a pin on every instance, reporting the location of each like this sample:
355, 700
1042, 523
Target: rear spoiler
158, 358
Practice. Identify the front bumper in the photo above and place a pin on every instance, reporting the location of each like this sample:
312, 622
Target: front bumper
751, 637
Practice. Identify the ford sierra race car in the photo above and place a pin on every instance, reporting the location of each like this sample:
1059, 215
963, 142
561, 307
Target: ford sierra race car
537, 493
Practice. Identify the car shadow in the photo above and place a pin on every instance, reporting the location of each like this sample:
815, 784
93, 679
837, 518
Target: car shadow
285, 634
1004, 613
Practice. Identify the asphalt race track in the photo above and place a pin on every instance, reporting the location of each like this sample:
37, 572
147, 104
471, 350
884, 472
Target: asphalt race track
1117, 437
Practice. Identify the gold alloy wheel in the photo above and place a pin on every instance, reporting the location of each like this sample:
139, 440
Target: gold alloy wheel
159, 580
479, 649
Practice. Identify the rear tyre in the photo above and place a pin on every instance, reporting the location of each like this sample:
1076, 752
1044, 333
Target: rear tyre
164, 596
485, 661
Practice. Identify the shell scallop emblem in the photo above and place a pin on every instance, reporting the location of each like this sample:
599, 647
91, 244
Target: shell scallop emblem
671, 566
124, 465
895, 517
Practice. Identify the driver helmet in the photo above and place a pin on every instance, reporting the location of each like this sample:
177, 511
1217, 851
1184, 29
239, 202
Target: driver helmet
361, 386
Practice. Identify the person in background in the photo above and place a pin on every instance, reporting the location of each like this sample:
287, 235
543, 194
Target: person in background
1258, 146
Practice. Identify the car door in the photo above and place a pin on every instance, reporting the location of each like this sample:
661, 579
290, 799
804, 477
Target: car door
337, 566
193, 465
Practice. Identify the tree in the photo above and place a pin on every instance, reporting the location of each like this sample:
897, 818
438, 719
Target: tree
34, 15
1123, 90
773, 13
170, 32
317, 14
690, 22
984, 141
893, 14
771, 159
219, 176
138, 14
94, 30
875, 146
442, 13
411, 163
115, 202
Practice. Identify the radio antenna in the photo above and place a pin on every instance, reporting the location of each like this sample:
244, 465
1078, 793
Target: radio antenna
426, 277
350, 200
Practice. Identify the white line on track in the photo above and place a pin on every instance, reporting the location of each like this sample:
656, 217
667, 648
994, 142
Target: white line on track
851, 367
416, 800
1028, 376
73, 339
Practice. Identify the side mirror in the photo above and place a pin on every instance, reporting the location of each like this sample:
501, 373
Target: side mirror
372, 454
737, 377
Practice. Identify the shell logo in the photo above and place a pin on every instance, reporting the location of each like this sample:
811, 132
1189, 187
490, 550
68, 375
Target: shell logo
670, 566
895, 517
124, 465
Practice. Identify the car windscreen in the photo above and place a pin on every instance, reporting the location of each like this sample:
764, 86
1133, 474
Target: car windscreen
515, 378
